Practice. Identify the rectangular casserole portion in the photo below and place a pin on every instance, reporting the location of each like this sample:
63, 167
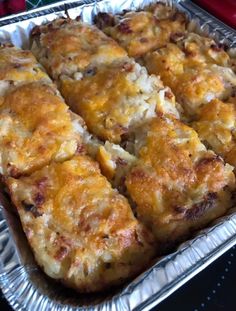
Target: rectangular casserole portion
174, 183
82, 231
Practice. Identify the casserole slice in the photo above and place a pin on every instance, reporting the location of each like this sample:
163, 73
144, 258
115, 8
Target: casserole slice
66, 47
145, 30
174, 183
195, 77
36, 128
18, 67
82, 232
216, 128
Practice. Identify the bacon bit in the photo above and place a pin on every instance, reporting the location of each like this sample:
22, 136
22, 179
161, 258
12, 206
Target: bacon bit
179, 16
120, 161
17, 65
219, 47
41, 183
216, 48
83, 225
63, 240
13, 171
122, 186
169, 94
159, 114
29, 207
176, 36
199, 208
61, 253
121, 129
103, 20
175, 16
86, 227
39, 199
42, 149
64, 22
125, 137
206, 161
80, 149
36, 31
233, 90
156, 20
50, 26
138, 173
128, 67
124, 28
143, 40
190, 53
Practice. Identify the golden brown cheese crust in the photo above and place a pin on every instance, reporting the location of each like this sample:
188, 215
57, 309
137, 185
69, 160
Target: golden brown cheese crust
194, 78
143, 31
177, 184
216, 127
35, 128
81, 230
17, 65
115, 99
67, 46
113, 95
202, 49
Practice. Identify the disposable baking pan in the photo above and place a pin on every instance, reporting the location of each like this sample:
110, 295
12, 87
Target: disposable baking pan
24, 285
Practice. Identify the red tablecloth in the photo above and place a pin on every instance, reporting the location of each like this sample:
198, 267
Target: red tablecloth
11, 6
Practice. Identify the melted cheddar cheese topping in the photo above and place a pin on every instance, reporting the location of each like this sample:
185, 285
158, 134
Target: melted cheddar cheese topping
116, 98
17, 65
143, 31
216, 127
80, 229
66, 46
176, 183
193, 81
36, 128
113, 94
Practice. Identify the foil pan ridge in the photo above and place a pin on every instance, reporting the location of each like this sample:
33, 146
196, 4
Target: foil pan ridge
22, 282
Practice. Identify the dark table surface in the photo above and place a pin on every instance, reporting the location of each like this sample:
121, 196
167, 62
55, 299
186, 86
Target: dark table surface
213, 289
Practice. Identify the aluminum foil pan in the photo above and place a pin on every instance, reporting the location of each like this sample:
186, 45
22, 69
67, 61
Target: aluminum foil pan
24, 285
